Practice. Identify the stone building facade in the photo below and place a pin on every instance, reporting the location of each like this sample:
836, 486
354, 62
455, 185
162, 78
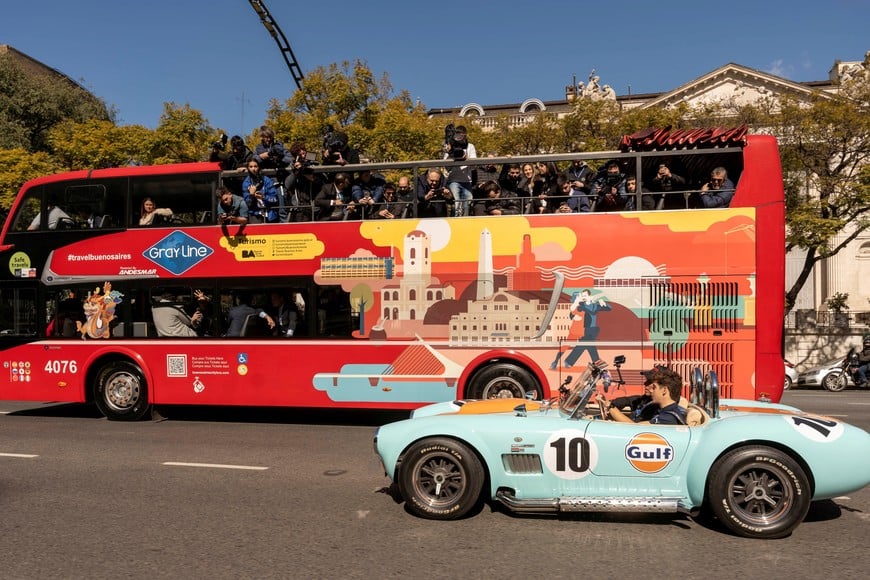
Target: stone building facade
848, 271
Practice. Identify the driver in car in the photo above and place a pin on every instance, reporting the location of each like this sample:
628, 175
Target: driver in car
663, 387
641, 407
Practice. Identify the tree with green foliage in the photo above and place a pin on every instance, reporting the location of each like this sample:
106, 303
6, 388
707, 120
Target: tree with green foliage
351, 99
32, 103
825, 150
18, 166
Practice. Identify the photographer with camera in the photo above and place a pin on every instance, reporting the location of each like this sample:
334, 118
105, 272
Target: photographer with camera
260, 195
271, 153
368, 190
665, 181
233, 160
232, 208
433, 195
608, 188
460, 179
336, 150
301, 185
718, 191
334, 201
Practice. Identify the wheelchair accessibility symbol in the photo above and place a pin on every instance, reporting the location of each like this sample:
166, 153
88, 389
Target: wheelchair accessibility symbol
243, 358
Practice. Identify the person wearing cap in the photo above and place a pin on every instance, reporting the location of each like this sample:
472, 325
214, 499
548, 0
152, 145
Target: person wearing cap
641, 407
664, 387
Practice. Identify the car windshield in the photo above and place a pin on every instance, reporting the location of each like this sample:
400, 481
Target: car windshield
580, 394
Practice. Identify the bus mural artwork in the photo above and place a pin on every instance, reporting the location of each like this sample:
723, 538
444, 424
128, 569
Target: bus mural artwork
389, 313
99, 310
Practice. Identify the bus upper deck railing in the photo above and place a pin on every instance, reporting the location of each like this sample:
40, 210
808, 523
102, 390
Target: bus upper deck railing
674, 199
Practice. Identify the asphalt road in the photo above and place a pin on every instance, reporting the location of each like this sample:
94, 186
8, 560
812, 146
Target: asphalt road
241, 494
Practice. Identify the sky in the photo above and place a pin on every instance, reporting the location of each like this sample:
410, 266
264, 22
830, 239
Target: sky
216, 56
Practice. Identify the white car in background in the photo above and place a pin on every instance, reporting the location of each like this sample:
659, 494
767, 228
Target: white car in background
791, 375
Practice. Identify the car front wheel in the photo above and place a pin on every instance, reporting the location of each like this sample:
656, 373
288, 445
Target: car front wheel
758, 492
440, 479
835, 381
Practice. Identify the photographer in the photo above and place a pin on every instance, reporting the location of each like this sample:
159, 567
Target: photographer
718, 191
368, 190
459, 178
271, 153
232, 209
336, 150
433, 196
260, 195
233, 160
334, 201
665, 182
608, 188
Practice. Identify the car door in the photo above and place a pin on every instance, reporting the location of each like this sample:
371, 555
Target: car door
637, 450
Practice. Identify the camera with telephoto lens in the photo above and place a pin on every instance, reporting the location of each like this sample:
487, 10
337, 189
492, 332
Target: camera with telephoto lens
455, 148
334, 142
221, 144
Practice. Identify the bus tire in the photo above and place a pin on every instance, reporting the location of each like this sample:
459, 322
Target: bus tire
502, 381
440, 479
758, 492
121, 392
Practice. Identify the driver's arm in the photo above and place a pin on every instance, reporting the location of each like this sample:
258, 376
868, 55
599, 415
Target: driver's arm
613, 412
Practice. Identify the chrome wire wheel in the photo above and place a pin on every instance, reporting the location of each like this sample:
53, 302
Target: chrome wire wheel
759, 494
439, 479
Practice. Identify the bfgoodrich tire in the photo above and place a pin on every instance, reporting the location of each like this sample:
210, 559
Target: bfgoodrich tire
121, 392
758, 492
440, 479
502, 381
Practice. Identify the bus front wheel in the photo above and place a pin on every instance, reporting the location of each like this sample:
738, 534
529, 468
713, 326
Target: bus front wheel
503, 381
121, 392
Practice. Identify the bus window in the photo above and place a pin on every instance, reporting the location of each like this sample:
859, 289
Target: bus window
188, 197
17, 311
334, 316
28, 211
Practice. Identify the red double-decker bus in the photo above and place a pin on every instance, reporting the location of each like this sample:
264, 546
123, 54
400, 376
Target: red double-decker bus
389, 313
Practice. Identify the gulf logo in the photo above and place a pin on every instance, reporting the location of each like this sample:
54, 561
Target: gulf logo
649, 453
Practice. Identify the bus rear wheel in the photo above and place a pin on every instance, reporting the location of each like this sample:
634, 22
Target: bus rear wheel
503, 381
121, 392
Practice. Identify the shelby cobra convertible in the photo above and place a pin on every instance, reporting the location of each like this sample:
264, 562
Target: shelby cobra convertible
756, 465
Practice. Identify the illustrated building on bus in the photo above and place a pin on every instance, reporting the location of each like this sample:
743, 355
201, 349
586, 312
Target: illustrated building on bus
416, 290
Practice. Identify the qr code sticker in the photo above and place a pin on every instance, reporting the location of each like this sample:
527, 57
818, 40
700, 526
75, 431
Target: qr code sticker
176, 365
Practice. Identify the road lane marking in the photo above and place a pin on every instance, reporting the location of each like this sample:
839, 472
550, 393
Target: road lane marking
20, 455
214, 465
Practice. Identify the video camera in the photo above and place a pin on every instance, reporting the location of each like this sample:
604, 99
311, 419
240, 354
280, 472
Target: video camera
456, 149
220, 144
334, 142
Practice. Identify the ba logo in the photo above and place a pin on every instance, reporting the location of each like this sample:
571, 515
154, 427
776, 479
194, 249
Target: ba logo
649, 453
178, 252
248, 254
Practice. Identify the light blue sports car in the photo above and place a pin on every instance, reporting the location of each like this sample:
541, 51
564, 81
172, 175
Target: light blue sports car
756, 465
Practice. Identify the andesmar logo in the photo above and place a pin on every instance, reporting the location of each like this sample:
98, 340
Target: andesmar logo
178, 252
649, 453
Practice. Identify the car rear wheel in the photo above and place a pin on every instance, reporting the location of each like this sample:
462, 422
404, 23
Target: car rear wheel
440, 479
503, 381
121, 392
835, 381
758, 492
787, 384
